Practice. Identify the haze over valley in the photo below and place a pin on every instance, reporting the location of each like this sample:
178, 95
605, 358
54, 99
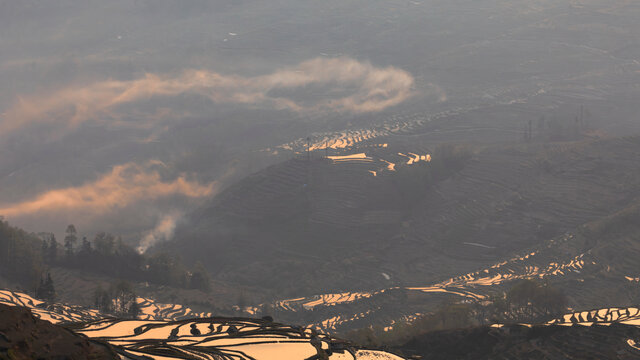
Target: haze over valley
372, 170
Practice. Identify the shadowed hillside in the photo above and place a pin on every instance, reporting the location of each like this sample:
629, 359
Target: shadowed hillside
343, 221
521, 342
24, 336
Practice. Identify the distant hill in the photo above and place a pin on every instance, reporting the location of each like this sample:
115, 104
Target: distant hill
344, 243
311, 226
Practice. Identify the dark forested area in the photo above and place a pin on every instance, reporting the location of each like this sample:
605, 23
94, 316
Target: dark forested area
26, 257
21, 256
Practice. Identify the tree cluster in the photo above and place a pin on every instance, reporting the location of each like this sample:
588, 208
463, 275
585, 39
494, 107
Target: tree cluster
108, 255
21, 258
119, 299
45, 290
25, 257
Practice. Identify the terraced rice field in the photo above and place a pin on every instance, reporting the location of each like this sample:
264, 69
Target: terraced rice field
56, 313
216, 338
203, 338
258, 339
509, 212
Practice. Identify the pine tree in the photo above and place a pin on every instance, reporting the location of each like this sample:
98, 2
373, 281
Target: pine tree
70, 239
45, 250
97, 297
53, 250
104, 243
40, 289
134, 308
200, 278
103, 300
85, 248
46, 291
124, 297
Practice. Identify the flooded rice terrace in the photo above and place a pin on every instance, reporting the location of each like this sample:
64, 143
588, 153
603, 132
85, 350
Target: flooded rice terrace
223, 338
174, 331
214, 338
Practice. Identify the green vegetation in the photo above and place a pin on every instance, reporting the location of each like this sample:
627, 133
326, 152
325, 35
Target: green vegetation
119, 299
70, 240
21, 255
45, 290
109, 255
24, 257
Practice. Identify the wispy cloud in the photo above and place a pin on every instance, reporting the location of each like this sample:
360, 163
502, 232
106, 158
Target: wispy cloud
124, 185
340, 85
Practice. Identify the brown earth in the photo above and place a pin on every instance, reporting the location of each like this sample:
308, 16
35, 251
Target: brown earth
23, 336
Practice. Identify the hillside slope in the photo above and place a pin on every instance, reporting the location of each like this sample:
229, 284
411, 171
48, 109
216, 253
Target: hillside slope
310, 226
67, 332
23, 336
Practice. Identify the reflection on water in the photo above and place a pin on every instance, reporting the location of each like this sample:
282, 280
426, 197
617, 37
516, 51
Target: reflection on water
415, 158
604, 316
58, 313
633, 344
213, 338
218, 338
352, 157
335, 141
390, 166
